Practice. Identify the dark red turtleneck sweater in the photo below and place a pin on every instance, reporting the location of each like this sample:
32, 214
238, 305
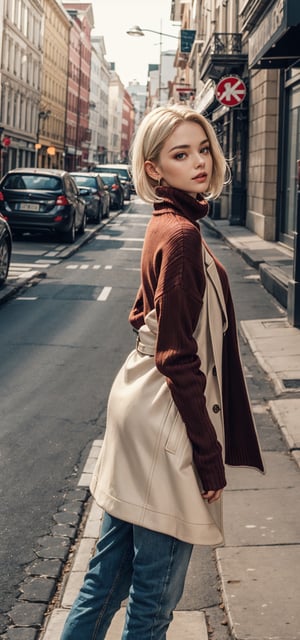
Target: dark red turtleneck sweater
173, 282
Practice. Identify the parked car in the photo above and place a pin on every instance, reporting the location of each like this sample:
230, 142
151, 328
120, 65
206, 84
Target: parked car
97, 199
5, 249
115, 189
123, 172
42, 200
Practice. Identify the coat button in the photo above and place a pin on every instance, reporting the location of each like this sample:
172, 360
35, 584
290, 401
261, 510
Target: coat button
216, 408
214, 371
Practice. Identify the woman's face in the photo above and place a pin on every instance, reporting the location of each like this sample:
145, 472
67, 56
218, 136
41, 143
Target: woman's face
185, 161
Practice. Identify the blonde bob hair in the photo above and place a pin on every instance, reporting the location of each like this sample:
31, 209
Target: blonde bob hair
150, 138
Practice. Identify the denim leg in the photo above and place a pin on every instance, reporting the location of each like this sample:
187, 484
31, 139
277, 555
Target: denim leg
106, 583
159, 570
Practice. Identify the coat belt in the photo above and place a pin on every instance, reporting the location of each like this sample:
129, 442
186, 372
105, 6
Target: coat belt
144, 349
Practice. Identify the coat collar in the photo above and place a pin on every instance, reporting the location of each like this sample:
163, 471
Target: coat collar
180, 202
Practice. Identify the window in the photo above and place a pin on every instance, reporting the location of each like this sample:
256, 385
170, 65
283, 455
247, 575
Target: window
28, 181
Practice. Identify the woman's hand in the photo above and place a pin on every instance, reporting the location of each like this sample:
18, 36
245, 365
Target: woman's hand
212, 496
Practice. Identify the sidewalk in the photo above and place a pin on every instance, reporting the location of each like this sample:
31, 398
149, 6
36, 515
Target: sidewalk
259, 563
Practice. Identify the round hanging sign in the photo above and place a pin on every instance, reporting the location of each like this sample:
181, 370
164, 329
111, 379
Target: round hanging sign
231, 91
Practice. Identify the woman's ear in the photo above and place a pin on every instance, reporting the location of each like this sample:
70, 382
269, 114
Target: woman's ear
152, 170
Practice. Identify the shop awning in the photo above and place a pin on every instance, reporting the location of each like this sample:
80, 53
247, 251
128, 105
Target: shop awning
275, 42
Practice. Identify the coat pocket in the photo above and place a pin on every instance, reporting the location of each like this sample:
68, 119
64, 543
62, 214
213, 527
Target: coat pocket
177, 429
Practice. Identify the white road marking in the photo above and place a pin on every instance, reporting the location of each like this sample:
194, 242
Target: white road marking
118, 239
22, 265
104, 294
128, 216
42, 263
53, 254
130, 249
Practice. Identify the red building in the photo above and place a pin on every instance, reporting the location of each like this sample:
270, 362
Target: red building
78, 134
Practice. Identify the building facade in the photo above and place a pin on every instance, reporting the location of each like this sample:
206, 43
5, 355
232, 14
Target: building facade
127, 128
62, 105
273, 36
245, 65
77, 131
138, 94
99, 94
50, 141
20, 80
116, 99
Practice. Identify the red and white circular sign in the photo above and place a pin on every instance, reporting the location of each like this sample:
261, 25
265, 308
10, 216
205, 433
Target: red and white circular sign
231, 91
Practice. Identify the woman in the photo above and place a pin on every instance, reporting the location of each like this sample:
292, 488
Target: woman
178, 409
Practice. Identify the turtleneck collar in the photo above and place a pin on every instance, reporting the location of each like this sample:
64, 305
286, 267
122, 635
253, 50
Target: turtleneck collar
180, 202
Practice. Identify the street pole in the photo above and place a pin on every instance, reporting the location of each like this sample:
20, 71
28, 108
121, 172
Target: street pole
160, 61
293, 304
138, 31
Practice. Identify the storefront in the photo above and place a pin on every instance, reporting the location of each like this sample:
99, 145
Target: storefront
275, 44
291, 155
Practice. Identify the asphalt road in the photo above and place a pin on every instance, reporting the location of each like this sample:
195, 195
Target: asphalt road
61, 343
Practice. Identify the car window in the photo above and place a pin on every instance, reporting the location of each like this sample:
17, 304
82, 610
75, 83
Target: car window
109, 179
85, 181
28, 181
123, 173
103, 169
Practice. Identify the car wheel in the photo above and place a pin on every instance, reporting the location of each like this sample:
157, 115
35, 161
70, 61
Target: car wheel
69, 236
4, 261
82, 227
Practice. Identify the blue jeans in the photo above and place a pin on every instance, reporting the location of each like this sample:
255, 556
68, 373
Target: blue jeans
147, 567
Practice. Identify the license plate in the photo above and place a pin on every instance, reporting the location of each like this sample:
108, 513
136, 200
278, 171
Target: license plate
28, 206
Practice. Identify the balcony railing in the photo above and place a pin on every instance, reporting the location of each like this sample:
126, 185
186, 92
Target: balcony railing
221, 55
226, 43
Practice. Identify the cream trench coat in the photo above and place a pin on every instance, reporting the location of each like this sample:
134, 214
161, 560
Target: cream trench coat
145, 473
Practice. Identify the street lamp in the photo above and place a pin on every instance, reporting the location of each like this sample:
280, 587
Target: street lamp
137, 31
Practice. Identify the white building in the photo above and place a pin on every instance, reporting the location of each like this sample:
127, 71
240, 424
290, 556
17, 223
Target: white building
138, 93
99, 94
160, 79
167, 75
116, 97
20, 79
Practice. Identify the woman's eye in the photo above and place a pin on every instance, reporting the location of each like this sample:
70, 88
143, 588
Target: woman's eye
180, 156
205, 150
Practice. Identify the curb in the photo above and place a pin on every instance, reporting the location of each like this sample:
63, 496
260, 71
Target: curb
31, 277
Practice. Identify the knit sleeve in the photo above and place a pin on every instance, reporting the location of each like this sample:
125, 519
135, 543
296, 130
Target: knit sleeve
136, 315
179, 298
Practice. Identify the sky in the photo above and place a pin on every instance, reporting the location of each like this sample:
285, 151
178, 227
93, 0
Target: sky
133, 54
